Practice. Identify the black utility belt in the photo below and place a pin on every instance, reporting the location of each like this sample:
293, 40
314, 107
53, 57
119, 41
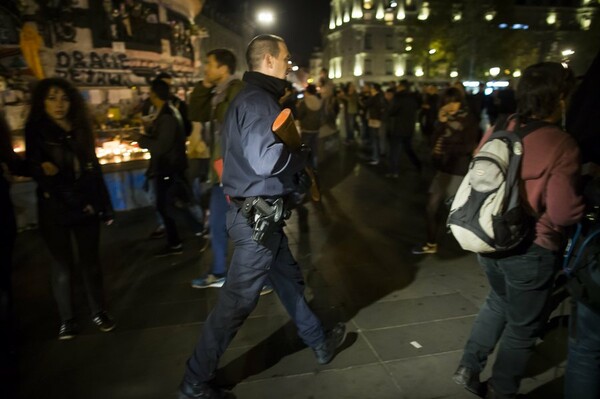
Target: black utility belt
266, 215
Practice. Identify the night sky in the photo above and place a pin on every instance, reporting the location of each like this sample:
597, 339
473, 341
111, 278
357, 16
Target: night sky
299, 22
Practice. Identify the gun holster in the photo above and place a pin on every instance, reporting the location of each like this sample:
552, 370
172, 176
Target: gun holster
264, 217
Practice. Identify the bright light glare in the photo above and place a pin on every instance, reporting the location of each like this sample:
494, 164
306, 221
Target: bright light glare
265, 17
432, 51
567, 52
494, 71
295, 68
453, 74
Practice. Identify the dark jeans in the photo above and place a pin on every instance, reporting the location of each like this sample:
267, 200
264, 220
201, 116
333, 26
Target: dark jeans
251, 266
582, 378
350, 126
60, 240
218, 229
396, 145
511, 316
311, 139
165, 191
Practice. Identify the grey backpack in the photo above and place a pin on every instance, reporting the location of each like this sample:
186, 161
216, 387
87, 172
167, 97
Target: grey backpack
487, 214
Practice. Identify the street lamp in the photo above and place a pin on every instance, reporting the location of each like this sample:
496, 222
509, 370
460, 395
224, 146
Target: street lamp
567, 52
495, 71
265, 17
432, 51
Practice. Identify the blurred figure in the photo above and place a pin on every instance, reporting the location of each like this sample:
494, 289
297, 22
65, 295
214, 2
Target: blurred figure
309, 116
506, 103
400, 127
351, 108
71, 193
375, 106
522, 279
429, 111
289, 100
10, 163
455, 138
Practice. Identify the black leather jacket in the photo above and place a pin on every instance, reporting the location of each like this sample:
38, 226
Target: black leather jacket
79, 173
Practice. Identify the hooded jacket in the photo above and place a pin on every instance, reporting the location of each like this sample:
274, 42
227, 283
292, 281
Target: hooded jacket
310, 113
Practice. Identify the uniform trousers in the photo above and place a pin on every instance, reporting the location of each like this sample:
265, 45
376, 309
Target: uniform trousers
252, 264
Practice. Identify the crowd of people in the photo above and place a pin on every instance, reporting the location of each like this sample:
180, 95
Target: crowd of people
249, 176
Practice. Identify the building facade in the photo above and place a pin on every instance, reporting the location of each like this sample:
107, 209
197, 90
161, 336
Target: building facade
383, 40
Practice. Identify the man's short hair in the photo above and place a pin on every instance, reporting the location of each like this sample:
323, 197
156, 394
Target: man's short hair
224, 57
260, 46
541, 88
160, 88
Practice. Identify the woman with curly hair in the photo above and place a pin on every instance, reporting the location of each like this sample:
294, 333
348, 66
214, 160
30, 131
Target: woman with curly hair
71, 194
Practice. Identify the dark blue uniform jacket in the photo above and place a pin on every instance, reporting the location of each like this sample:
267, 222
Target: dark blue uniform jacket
255, 162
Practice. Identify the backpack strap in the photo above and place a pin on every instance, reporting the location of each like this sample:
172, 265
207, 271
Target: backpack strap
531, 125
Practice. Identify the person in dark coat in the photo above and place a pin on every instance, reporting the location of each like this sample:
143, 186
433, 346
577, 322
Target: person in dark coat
71, 193
400, 127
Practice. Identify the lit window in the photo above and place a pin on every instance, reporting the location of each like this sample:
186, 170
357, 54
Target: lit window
419, 71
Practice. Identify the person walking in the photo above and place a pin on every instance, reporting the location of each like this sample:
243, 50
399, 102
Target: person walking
165, 139
209, 103
522, 279
71, 194
257, 167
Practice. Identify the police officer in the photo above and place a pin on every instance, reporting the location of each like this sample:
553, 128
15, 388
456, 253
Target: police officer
256, 165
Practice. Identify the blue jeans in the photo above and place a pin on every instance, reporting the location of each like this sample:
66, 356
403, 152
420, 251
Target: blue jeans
218, 229
582, 379
252, 265
511, 316
375, 143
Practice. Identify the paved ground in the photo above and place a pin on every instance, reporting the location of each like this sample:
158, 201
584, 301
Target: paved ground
408, 316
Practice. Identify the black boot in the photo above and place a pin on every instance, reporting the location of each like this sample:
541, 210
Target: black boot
470, 380
327, 350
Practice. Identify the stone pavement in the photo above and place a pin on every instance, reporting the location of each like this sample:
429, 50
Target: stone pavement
408, 316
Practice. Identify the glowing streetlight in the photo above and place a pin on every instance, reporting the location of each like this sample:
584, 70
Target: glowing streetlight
432, 51
265, 17
567, 52
453, 74
495, 71
517, 73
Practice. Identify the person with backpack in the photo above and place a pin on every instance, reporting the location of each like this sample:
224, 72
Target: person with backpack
454, 138
521, 278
